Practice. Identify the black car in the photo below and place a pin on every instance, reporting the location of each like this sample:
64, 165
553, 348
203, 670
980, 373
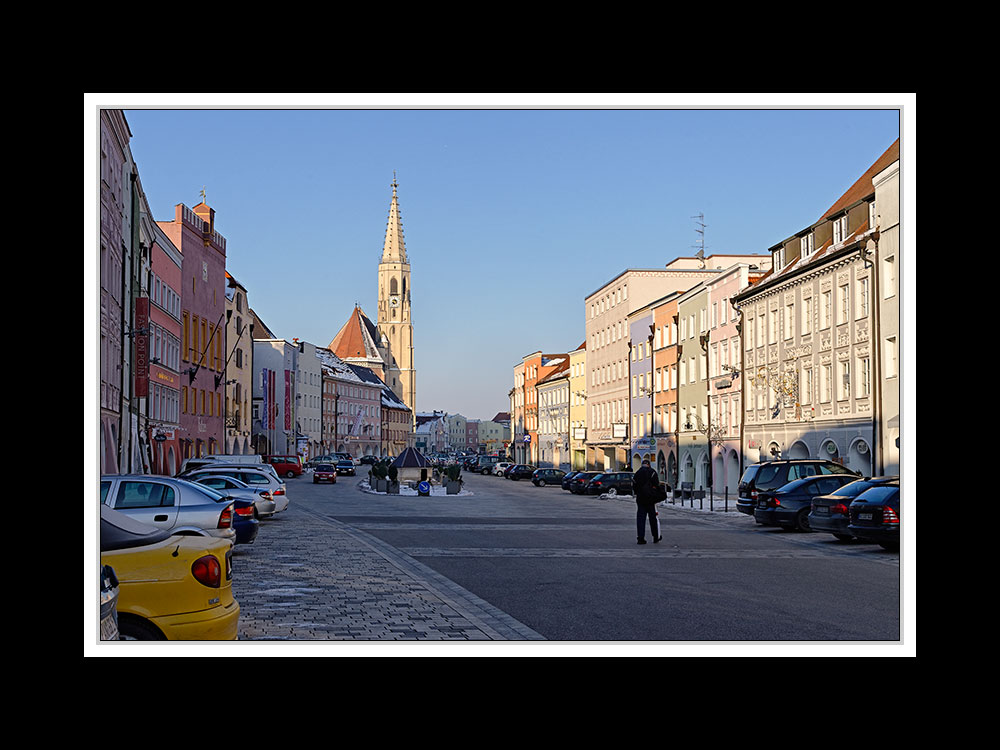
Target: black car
368, 460
788, 506
345, 466
831, 512
875, 516
619, 481
568, 478
770, 475
579, 482
245, 522
519, 471
542, 477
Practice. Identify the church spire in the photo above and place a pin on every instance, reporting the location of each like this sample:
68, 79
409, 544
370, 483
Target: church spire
394, 249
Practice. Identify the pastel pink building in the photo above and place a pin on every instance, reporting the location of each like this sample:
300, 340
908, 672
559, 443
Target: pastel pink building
164, 383
202, 329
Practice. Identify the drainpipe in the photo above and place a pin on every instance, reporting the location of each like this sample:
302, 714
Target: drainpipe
876, 375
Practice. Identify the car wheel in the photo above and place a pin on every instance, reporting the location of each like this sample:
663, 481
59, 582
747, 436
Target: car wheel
290, 474
130, 629
802, 520
540, 482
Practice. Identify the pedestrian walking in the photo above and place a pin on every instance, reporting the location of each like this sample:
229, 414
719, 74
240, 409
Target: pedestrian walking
645, 484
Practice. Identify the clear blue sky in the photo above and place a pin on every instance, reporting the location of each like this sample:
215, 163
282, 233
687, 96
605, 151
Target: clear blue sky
511, 216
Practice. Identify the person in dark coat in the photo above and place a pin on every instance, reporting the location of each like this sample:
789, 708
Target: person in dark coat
644, 483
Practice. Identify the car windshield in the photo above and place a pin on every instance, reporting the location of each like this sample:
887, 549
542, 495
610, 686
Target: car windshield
767, 474
324, 467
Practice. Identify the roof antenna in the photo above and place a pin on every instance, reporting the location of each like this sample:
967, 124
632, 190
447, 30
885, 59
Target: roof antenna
700, 255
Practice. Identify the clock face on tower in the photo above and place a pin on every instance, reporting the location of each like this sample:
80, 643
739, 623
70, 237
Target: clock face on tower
394, 301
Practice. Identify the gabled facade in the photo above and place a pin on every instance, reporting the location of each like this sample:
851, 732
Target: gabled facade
553, 418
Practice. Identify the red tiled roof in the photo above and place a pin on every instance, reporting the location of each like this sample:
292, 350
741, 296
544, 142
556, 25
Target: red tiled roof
863, 186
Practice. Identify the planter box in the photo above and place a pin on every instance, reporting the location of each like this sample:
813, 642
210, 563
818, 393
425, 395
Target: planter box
380, 485
392, 488
453, 488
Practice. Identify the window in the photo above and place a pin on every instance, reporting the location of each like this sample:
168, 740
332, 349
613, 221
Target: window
864, 378
888, 277
891, 357
144, 495
825, 384
807, 306
826, 309
807, 245
844, 309
844, 380
789, 321
862, 298
840, 229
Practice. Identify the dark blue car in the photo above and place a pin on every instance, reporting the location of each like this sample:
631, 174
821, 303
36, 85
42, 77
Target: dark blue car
245, 522
789, 506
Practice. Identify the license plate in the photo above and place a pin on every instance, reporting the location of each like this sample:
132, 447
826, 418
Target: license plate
109, 629
864, 516
822, 511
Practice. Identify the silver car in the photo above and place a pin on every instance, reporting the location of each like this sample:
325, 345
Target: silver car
261, 498
262, 478
171, 504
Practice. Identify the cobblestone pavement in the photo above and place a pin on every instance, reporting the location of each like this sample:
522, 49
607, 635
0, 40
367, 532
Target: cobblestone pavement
310, 577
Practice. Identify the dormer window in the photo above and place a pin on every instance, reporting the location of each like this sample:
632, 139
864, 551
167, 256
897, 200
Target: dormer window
807, 245
839, 229
779, 258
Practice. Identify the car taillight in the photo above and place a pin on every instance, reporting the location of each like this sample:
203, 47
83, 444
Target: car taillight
839, 508
753, 494
889, 515
247, 511
226, 518
265, 495
280, 491
207, 571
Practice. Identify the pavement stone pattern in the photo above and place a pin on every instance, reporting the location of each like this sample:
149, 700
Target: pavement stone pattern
310, 577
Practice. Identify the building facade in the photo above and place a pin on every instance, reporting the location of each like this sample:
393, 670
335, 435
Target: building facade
578, 407
665, 387
640, 363
238, 370
164, 388
692, 393
203, 313
275, 362
308, 402
810, 337
553, 418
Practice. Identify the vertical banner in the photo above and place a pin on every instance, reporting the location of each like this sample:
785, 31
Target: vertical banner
288, 399
265, 410
140, 323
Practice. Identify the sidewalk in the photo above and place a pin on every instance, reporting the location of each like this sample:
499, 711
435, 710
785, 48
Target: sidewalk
374, 594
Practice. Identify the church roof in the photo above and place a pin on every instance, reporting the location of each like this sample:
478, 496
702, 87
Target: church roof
357, 339
394, 248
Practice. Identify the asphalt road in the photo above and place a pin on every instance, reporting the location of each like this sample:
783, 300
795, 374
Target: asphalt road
510, 561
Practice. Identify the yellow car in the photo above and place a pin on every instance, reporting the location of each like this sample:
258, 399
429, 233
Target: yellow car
171, 587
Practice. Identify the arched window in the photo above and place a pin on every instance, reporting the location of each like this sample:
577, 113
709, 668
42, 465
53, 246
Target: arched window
393, 287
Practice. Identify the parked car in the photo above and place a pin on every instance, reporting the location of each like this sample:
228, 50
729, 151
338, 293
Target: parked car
501, 468
542, 477
252, 459
619, 481
567, 478
831, 512
325, 473
174, 505
315, 461
245, 523
109, 604
519, 471
262, 477
485, 465
190, 597
226, 485
368, 460
220, 465
346, 466
578, 483
286, 466
788, 506
875, 516
770, 475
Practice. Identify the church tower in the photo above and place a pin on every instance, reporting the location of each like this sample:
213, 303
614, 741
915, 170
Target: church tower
395, 326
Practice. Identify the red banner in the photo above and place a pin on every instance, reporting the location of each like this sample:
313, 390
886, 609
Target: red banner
141, 338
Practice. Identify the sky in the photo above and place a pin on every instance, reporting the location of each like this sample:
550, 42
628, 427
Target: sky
512, 213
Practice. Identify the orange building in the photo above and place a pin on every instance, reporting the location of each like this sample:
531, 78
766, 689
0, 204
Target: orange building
534, 367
